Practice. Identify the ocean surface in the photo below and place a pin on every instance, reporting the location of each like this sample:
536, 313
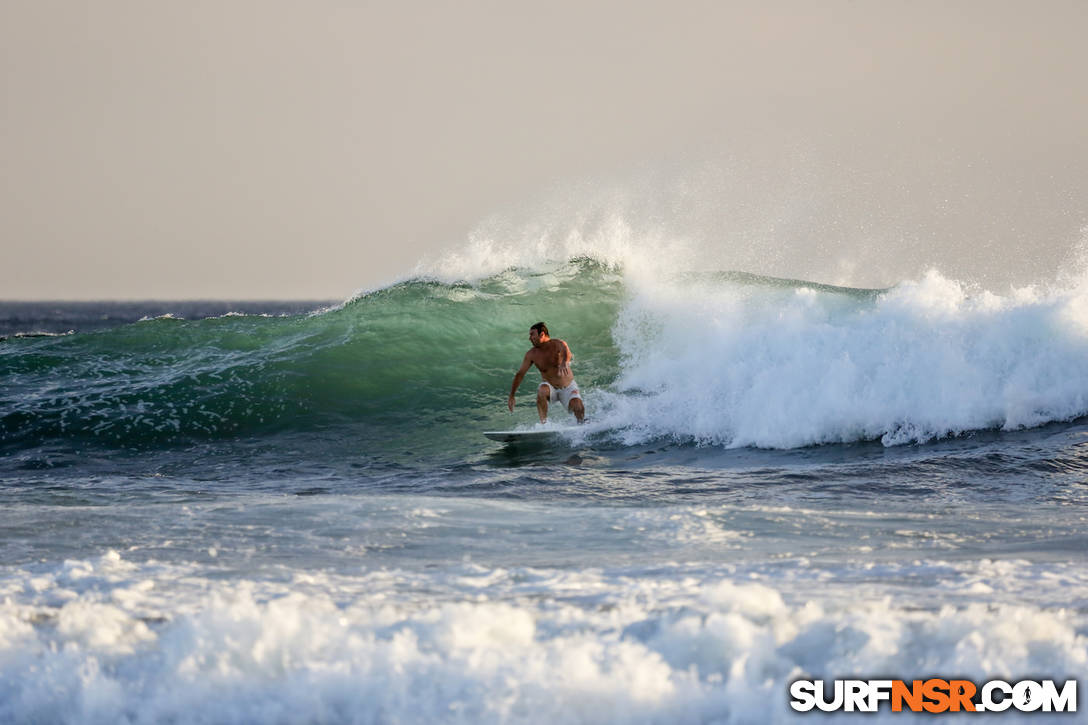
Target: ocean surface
286, 513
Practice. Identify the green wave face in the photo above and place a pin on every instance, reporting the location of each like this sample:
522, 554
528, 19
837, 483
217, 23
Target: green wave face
387, 367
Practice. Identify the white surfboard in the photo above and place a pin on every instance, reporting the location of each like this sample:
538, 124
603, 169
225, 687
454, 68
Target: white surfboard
541, 435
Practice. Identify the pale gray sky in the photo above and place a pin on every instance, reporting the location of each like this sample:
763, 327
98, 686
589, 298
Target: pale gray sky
279, 149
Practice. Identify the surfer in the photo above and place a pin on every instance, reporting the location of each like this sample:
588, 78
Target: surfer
552, 358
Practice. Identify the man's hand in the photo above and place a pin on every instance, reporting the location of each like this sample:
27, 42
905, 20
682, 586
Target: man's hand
564, 369
510, 403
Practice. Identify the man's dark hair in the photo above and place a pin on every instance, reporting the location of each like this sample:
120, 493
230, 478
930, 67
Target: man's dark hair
541, 329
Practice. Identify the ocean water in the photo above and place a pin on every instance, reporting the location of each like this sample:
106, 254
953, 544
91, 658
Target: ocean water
283, 514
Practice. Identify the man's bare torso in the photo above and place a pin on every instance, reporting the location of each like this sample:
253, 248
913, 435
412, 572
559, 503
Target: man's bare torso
547, 359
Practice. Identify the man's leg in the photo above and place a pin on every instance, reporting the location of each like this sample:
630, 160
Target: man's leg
542, 395
578, 409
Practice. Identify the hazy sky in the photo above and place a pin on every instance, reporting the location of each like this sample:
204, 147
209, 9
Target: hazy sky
275, 149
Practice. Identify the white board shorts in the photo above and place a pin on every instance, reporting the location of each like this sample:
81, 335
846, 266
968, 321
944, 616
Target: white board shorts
563, 395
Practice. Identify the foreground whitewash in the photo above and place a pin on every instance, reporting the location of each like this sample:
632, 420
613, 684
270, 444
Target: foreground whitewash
107, 641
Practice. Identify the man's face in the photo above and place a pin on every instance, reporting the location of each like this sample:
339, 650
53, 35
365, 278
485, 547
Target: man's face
534, 337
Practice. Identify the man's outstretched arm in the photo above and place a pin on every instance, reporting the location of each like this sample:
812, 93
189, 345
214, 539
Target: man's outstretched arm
517, 380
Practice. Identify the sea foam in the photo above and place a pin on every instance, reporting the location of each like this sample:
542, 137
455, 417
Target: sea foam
110, 641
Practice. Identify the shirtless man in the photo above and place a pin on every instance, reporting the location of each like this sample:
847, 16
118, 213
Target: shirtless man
552, 358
